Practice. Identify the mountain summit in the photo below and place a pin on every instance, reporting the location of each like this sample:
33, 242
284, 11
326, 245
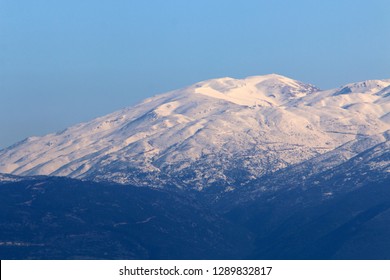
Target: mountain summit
270, 89
217, 132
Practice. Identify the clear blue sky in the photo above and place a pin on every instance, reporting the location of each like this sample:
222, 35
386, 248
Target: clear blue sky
63, 62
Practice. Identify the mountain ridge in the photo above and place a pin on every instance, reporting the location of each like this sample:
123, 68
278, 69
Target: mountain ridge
220, 131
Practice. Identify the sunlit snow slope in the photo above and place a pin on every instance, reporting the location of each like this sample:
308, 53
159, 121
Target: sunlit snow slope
221, 131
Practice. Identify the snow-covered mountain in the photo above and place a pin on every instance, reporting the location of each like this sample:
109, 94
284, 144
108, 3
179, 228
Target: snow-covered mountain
217, 132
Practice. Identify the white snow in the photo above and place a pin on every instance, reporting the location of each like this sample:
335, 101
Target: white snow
259, 124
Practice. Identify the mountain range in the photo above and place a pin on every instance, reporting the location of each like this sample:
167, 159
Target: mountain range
264, 167
222, 131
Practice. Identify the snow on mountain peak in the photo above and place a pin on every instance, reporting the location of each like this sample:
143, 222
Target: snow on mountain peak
369, 86
206, 134
266, 90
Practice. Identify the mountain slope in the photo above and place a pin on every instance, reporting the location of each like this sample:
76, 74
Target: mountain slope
302, 224
61, 218
217, 132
